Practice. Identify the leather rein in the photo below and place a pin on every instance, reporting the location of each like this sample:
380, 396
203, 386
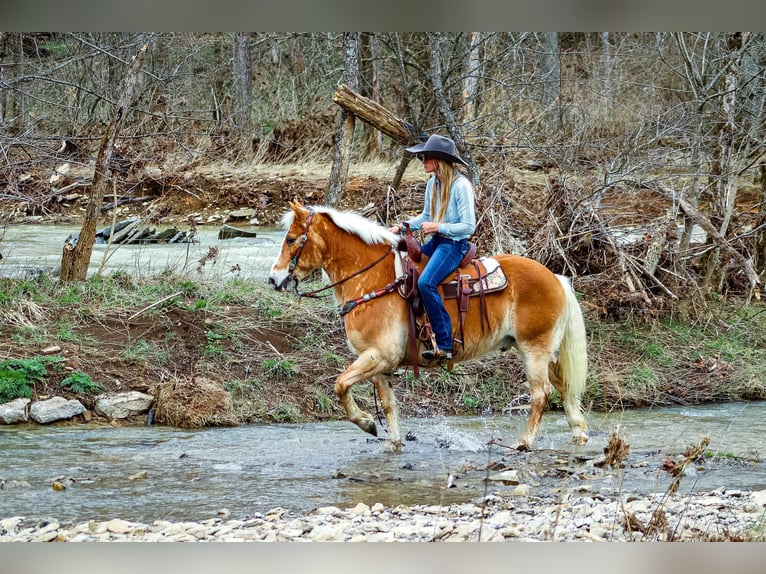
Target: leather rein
349, 305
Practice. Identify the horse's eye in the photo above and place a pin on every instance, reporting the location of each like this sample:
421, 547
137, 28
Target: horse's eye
290, 240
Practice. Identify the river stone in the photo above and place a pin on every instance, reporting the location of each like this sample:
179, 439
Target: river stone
55, 409
14, 412
123, 405
508, 477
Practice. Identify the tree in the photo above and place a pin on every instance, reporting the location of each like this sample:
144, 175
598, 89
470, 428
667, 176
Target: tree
445, 109
551, 81
76, 255
242, 79
345, 134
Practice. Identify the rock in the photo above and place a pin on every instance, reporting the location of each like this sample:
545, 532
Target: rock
118, 526
242, 214
508, 477
123, 405
577, 517
229, 232
14, 412
759, 498
55, 409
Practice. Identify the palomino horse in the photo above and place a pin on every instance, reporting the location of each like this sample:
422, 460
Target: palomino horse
537, 313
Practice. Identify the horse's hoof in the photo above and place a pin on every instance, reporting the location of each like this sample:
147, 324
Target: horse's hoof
579, 440
395, 447
368, 426
522, 447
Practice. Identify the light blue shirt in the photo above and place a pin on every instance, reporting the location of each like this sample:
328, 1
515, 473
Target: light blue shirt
460, 218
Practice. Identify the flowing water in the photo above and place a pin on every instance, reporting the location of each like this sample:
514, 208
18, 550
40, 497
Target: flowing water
28, 249
148, 473
154, 472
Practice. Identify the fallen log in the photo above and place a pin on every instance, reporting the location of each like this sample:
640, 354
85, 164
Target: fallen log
377, 116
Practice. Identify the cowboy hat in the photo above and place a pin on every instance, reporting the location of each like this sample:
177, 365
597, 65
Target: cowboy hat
438, 146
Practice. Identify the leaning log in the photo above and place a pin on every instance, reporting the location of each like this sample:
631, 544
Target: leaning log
377, 116
744, 264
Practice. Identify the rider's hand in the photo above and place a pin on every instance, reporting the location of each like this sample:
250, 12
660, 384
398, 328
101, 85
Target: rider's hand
395, 229
430, 227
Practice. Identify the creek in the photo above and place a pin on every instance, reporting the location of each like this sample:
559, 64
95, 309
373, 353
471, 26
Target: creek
145, 473
28, 249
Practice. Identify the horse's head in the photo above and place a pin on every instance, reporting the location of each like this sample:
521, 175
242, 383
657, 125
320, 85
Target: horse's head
298, 256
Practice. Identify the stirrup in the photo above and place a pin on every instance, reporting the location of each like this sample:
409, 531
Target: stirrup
436, 354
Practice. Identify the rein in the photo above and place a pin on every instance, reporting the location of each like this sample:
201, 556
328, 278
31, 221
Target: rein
315, 293
348, 306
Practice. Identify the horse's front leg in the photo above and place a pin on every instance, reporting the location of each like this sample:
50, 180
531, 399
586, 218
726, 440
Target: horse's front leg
387, 396
366, 366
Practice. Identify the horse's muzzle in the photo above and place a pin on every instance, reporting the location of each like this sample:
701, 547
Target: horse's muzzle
284, 284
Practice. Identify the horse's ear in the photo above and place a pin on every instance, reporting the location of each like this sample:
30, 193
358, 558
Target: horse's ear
301, 213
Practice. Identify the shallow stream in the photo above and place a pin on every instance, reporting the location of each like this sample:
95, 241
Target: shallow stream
148, 473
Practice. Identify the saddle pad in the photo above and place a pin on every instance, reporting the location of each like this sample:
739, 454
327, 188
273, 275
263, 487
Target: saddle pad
493, 279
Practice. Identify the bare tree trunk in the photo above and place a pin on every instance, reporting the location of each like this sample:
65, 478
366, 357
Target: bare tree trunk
243, 85
345, 135
3, 91
607, 54
726, 192
759, 260
17, 104
471, 80
370, 88
76, 257
445, 110
551, 81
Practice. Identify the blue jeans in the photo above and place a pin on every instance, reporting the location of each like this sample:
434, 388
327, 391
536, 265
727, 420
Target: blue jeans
444, 256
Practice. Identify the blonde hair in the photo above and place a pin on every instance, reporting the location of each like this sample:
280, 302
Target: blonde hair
446, 175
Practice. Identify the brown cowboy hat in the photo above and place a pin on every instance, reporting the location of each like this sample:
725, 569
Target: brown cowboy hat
438, 146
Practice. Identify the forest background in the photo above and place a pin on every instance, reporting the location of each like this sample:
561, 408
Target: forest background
632, 162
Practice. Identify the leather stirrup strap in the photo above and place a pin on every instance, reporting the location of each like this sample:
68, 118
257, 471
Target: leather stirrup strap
412, 299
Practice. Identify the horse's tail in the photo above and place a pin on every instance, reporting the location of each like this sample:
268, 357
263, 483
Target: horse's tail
573, 353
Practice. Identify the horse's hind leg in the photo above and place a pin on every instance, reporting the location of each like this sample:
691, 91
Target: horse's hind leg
540, 390
390, 408
572, 406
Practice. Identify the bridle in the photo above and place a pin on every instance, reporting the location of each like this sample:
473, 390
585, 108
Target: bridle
315, 293
302, 242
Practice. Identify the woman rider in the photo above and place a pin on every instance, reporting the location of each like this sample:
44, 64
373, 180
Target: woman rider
449, 217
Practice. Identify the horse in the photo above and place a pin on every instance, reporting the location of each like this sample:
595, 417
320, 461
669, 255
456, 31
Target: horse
537, 313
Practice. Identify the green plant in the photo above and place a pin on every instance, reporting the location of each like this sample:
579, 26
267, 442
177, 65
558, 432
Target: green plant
18, 375
13, 385
79, 382
35, 334
323, 401
285, 413
144, 352
213, 349
641, 377
65, 332
280, 369
233, 387
471, 402
71, 296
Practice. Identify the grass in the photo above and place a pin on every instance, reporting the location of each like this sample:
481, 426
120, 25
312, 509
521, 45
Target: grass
252, 338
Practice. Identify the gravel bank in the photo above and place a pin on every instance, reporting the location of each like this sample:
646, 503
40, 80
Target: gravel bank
573, 516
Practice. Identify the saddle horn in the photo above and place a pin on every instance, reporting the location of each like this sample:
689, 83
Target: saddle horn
409, 244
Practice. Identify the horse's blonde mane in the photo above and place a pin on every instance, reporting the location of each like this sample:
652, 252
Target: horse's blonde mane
367, 230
